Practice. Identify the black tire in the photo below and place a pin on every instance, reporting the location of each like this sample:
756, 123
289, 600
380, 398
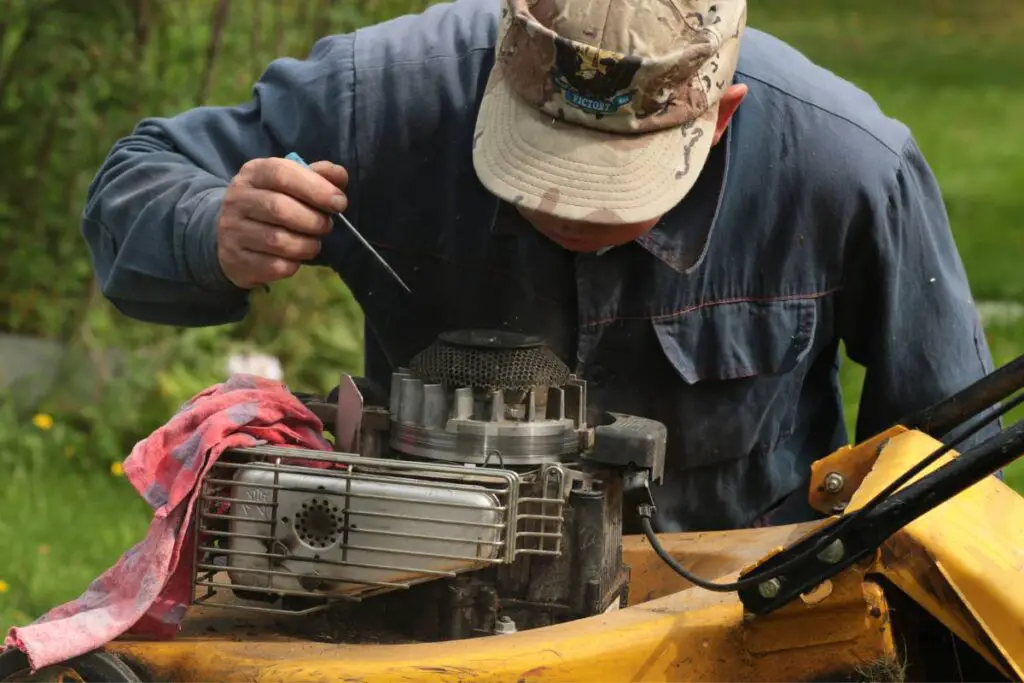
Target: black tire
93, 667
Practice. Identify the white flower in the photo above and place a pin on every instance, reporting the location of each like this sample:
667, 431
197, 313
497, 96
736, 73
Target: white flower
260, 364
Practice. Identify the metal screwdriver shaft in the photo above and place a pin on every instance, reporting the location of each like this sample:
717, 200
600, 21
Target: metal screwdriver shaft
299, 160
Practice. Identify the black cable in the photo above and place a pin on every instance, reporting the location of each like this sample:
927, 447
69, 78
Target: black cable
645, 522
647, 510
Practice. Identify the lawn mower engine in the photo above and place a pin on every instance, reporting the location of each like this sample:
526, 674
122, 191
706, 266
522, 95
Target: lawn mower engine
473, 498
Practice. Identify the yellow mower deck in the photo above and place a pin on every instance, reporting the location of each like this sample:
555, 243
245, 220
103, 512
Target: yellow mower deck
962, 563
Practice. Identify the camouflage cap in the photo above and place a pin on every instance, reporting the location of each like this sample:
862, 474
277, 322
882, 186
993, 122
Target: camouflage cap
604, 110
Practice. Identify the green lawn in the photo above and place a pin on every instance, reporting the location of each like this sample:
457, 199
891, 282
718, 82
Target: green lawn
949, 70
59, 530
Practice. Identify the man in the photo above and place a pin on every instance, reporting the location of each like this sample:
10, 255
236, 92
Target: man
690, 212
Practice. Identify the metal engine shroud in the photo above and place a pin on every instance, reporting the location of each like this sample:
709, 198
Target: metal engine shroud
487, 398
475, 489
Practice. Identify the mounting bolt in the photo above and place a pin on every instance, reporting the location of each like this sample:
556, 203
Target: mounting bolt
833, 553
769, 589
834, 482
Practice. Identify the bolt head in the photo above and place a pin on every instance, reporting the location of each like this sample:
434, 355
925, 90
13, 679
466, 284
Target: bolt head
769, 589
833, 553
834, 482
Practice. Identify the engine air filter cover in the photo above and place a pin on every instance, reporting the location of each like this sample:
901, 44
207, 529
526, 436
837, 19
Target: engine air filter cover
489, 359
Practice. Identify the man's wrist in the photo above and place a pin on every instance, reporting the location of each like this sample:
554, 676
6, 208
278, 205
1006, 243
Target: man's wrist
201, 242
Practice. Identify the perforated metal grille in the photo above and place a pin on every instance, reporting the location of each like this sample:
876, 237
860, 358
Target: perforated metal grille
516, 368
318, 523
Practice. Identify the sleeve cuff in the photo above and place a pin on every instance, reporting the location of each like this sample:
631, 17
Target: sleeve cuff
201, 243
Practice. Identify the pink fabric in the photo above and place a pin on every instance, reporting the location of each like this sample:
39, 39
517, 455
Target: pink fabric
148, 591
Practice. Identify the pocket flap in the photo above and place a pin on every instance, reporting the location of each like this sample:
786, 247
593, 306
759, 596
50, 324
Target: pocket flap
738, 339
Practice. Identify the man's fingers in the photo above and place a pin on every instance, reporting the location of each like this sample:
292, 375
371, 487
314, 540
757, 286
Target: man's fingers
293, 179
276, 208
333, 172
274, 212
276, 241
262, 268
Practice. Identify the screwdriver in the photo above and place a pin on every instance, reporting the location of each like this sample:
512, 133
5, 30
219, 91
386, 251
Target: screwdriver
299, 160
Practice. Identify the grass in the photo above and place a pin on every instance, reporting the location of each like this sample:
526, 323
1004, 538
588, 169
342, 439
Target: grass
948, 70
59, 530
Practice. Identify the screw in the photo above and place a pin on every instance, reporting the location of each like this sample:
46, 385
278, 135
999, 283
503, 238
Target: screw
834, 482
769, 589
833, 553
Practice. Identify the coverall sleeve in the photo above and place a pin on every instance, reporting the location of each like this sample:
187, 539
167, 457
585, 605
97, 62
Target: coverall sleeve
907, 313
151, 210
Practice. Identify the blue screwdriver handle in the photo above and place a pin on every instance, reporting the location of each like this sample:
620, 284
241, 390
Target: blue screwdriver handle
292, 156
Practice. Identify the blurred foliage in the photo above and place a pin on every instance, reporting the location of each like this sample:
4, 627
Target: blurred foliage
74, 77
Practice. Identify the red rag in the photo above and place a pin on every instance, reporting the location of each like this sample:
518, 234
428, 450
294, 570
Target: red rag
148, 591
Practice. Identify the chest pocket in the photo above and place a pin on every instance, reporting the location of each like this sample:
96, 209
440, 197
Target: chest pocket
737, 370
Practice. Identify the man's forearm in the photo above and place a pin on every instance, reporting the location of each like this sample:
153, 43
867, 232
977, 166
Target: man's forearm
150, 222
151, 214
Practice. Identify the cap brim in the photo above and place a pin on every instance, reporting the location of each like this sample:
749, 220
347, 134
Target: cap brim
533, 160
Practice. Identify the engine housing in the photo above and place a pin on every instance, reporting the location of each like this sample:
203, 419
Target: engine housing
474, 489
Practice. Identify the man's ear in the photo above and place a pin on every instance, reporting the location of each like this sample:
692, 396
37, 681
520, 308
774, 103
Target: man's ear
727, 106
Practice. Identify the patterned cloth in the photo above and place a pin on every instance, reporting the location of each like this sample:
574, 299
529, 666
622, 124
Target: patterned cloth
148, 591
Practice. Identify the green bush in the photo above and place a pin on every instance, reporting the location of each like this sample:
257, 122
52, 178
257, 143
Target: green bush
74, 77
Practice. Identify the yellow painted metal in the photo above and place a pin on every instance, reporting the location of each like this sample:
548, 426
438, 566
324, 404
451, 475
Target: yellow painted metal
707, 554
962, 561
852, 463
668, 633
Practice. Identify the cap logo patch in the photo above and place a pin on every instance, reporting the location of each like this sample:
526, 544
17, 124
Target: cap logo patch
593, 80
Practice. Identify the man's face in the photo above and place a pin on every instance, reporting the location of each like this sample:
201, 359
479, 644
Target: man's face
585, 237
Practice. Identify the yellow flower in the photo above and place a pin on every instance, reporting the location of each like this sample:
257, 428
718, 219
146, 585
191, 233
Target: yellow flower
42, 421
3, 586
116, 469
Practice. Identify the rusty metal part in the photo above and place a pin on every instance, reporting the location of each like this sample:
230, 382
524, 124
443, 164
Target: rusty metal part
667, 633
348, 416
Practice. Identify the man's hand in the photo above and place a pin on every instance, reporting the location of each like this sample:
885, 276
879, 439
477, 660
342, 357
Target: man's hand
274, 215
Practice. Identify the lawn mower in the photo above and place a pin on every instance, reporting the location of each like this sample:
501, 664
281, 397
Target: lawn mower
468, 526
